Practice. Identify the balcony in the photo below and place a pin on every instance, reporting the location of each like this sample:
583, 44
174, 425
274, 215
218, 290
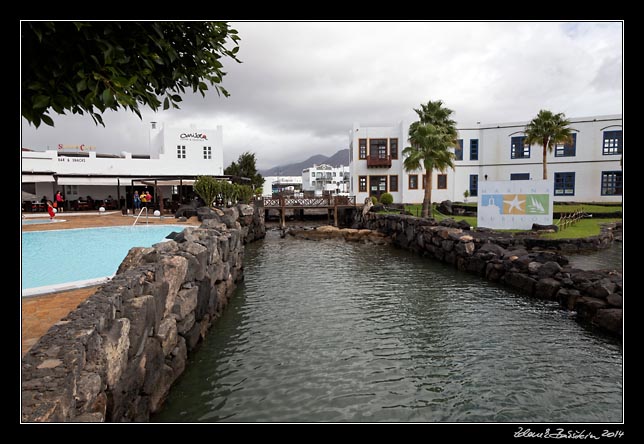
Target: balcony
379, 162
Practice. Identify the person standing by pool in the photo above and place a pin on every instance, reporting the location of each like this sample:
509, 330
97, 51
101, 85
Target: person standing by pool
50, 210
148, 198
137, 200
59, 201
144, 200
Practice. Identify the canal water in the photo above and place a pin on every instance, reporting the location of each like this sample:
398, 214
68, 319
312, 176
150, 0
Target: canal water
609, 258
344, 332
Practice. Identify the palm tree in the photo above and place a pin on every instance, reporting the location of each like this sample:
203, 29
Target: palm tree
548, 129
431, 139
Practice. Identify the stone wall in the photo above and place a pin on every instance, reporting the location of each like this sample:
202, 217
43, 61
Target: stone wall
115, 357
522, 263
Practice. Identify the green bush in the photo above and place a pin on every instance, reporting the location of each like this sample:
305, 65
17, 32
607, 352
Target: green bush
374, 200
207, 188
386, 199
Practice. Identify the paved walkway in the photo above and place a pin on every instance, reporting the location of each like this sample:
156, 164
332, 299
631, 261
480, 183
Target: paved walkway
39, 313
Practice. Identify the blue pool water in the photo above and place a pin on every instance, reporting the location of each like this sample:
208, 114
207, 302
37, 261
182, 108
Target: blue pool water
61, 256
41, 221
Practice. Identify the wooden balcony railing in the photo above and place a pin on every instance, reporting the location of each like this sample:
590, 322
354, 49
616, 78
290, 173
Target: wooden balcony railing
379, 162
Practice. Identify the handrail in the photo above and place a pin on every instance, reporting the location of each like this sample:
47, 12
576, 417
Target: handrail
147, 220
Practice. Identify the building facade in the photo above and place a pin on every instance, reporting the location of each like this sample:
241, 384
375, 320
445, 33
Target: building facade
587, 170
175, 156
274, 185
325, 179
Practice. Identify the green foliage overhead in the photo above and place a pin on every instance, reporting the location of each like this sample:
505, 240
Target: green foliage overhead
431, 138
89, 67
386, 199
245, 167
548, 130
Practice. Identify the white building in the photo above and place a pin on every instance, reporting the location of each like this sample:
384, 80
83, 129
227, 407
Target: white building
176, 156
325, 179
586, 171
278, 184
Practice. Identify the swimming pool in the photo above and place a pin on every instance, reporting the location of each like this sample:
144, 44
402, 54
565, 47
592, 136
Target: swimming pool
41, 221
52, 258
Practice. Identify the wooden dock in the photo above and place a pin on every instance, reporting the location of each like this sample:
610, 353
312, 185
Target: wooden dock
283, 203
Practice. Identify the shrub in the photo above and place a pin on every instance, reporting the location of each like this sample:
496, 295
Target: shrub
374, 199
207, 188
386, 199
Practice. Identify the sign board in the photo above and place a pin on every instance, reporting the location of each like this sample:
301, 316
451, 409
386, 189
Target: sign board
514, 204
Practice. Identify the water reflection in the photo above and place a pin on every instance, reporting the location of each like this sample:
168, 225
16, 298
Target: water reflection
332, 331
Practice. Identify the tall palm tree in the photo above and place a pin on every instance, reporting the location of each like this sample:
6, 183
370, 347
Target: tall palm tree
548, 129
431, 139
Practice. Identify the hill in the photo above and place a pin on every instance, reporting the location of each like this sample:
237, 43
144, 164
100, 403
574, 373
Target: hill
295, 169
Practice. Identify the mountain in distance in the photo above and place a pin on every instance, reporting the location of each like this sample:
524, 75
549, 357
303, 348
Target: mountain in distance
295, 169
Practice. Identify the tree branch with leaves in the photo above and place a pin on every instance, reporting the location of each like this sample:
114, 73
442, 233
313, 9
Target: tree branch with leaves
90, 67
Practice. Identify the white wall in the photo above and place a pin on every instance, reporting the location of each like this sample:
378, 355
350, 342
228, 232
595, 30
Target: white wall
494, 159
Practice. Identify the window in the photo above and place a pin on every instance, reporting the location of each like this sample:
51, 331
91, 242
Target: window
611, 183
71, 190
474, 149
441, 181
313, 174
393, 148
378, 185
413, 181
458, 152
378, 148
362, 184
520, 176
393, 184
335, 174
567, 150
474, 185
612, 143
362, 150
181, 151
207, 152
564, 184
518, 149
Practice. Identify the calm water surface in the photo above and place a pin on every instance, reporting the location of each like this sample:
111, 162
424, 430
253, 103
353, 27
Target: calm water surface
334, 331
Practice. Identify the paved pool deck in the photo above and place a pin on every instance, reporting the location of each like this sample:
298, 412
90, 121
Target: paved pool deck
39, 313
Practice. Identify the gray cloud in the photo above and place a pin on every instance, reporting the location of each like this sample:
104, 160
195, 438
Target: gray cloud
302, 85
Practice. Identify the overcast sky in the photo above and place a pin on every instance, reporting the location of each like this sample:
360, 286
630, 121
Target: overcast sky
302, 85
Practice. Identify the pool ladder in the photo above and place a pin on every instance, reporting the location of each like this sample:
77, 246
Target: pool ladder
147, 221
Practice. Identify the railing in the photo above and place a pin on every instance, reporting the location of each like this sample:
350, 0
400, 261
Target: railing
379, 161
568, 219
147, 219
309, 202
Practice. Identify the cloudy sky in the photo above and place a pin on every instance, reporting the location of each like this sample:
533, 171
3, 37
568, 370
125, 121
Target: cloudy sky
302, 85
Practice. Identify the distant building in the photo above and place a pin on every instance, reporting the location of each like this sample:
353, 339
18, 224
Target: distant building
176, 157
326, 180
281, 184
587, 170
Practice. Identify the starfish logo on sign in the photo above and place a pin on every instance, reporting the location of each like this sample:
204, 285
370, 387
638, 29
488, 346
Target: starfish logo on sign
514, 205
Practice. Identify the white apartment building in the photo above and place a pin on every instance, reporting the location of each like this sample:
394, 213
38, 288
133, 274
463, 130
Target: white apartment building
588, 170
175, 157
325, 179
279, 184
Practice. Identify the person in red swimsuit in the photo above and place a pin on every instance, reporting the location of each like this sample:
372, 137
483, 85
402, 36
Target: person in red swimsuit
50, 210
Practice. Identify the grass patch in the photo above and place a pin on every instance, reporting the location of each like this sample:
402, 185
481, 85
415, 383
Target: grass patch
588, 208
583, 228
416, 210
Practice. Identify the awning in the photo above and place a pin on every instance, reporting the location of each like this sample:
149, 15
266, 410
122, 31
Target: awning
90, 181
165, 182
37, 178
